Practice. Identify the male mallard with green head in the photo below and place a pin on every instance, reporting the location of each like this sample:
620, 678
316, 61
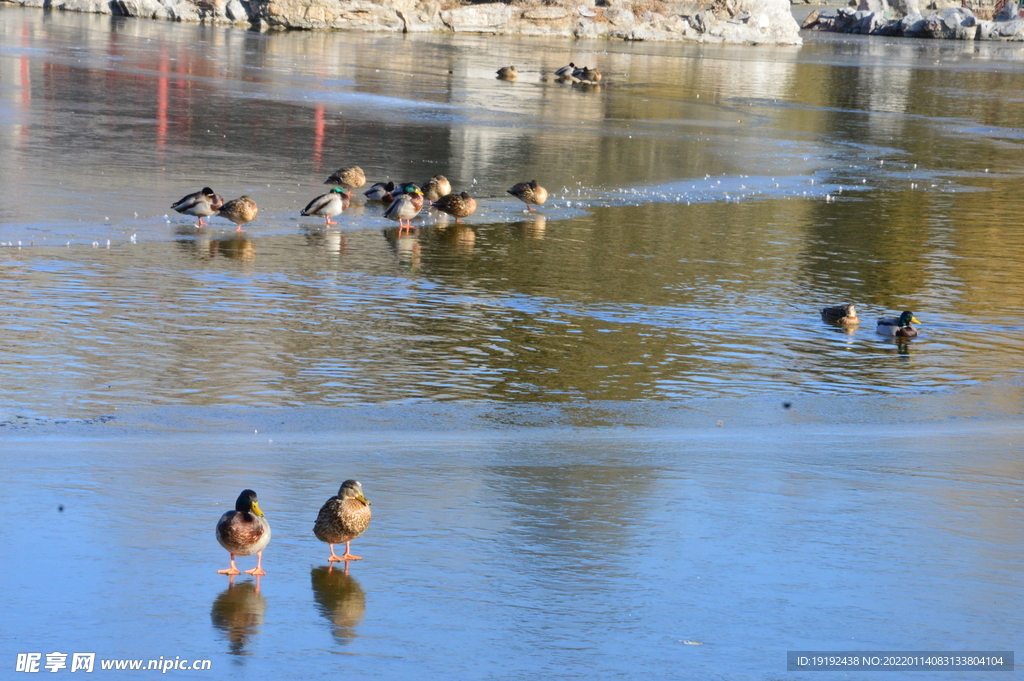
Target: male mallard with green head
457, 205
898, 326
343, 518
405, 207
529, 192
436, 187
240, 211
351, 177
243, 532
328, 205
843, 315
200, 204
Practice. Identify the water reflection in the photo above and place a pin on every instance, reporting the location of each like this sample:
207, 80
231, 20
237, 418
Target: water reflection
340, 600
238, 613
205, 245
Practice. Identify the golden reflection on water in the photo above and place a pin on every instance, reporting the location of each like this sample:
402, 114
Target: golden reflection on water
340, 600
238, 613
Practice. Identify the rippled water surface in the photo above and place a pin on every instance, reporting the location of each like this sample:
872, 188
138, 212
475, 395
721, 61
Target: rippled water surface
612, 486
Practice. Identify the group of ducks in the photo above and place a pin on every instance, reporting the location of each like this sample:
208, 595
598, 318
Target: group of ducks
245, 530
846, 315
567, 74
405, 200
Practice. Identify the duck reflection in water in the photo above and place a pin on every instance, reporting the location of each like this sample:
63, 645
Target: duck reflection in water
531, 229
330, 240
340, 600
237, 246
238, 612
406, 247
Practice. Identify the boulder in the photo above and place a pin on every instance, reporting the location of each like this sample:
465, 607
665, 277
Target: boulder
1012, 31
912, 25
957, 23
484, 18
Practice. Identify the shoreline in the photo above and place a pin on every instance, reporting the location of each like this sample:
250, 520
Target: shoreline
727, 21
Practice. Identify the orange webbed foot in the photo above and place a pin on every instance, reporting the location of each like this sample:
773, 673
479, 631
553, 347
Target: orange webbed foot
257, 571
229, 571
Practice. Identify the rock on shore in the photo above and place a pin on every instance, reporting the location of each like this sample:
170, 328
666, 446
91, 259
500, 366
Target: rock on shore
877, 17
716, 21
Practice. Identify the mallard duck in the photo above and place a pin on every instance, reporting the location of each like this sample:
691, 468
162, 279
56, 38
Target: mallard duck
508, 73
240, 211
588, 75
457, 205
436, 187
529, 192
243, 532
328, 205
844, 315
201, 204
405, 207
566, 70
381, 191
343, 518
898, 326
351, 177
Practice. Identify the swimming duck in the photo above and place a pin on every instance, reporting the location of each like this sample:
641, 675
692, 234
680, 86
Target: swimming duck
201, 204
343, 518
436, 187
529, 192
381, 191
351, 177
844, 315
243, 532
404, 208
457, 205
328, 205
240, 211
508, 73
566, 70
898, 326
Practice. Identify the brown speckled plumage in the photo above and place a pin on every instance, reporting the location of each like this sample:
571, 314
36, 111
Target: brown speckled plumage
343, 517
457, 205
240, 211
351, 177
436, 187
529, 192
845, 315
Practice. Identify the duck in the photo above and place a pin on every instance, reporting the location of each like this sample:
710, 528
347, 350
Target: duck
566, 70
843, 315
457, 205
588, 75
508, 73
342, 518
243, 532
898, 326
529, 193
328, 205
404, 208
240, 211
201, 204
381, 191
350, 177
436, 187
